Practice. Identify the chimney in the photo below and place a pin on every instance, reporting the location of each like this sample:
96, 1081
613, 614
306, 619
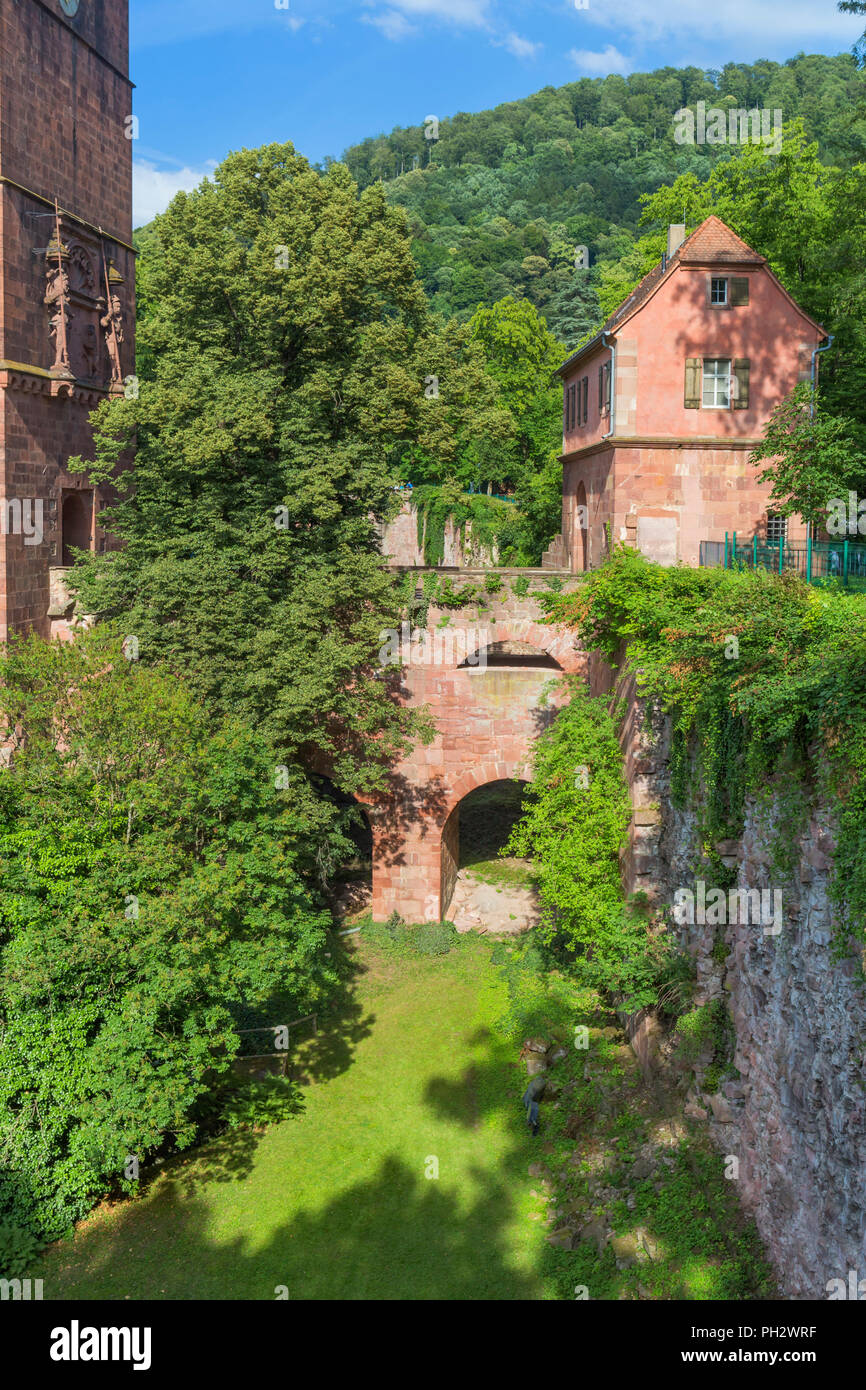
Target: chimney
676, 237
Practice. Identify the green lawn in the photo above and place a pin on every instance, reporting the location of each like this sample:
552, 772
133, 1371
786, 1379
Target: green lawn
416, 1072
336, 1203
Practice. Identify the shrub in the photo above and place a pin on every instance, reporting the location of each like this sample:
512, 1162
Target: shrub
435, 938
149, 890
575, 824
18, 1247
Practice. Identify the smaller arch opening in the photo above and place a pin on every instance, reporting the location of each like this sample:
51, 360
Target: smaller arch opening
75, 522
510, 656
349, 883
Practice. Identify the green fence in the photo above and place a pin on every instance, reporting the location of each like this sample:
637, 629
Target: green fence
818, 562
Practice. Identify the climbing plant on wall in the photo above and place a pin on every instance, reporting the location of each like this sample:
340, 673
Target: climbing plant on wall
764, 678
575, 822
488, 527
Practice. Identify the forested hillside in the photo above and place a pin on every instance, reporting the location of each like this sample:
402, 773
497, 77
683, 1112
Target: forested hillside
500, 201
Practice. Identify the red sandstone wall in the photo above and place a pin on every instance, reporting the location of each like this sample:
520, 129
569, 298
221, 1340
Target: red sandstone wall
400, 544
486, 724
666, 493
702, 492
64, 98
63, 106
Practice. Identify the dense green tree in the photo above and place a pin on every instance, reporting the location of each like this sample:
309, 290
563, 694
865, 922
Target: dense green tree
809, 457
152, 885
285, 349
578, 158
523, 355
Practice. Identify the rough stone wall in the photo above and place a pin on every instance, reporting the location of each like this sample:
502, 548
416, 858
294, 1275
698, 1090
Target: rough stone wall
400, 544
796, 1118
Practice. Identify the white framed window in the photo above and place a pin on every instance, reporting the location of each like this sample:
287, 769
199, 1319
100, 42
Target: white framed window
718, 290
717, 383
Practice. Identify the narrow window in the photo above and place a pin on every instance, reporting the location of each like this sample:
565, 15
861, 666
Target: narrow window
585, 399
606, 388
718, 290
717, 383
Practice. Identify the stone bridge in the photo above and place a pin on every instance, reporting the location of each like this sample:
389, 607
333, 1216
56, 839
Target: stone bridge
487, 716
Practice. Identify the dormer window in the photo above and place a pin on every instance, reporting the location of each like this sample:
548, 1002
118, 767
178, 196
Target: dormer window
727, 291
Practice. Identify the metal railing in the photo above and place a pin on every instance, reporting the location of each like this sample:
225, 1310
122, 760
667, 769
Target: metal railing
817, 562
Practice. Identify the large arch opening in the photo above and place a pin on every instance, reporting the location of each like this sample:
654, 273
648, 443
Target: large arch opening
481, 888
510, 656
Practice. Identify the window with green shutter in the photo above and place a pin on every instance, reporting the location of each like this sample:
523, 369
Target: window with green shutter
739, 290
693, 383
740, 384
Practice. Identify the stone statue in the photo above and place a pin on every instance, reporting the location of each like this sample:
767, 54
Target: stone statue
57, 298
112, 325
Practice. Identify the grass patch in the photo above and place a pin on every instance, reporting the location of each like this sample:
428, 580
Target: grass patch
337, 1203
405, 1174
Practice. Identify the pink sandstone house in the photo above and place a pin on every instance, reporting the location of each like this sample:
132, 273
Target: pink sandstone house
664, 405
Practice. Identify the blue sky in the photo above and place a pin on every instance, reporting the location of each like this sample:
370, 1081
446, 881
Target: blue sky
215, 75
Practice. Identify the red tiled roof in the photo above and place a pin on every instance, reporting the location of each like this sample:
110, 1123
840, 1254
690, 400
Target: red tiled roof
713, 240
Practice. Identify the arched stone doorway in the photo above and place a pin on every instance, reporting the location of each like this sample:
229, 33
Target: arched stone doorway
487, 720
76, 523
581, 524
479, 887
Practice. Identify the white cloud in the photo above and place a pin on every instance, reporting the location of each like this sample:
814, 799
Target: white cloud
521, 48
153, 188
601, 64
469, 13
798, 24
396, 22
393, 25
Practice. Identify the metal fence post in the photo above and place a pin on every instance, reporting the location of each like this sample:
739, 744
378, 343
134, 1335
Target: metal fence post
726, 550
781, 544
845, 564
809, 557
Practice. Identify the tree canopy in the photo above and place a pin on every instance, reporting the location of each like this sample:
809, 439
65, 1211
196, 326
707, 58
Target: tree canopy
153, 885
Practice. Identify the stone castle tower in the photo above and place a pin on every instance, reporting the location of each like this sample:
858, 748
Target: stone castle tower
67, 282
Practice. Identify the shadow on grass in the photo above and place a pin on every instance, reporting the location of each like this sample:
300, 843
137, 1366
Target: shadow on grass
395, 1235
341, 1023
